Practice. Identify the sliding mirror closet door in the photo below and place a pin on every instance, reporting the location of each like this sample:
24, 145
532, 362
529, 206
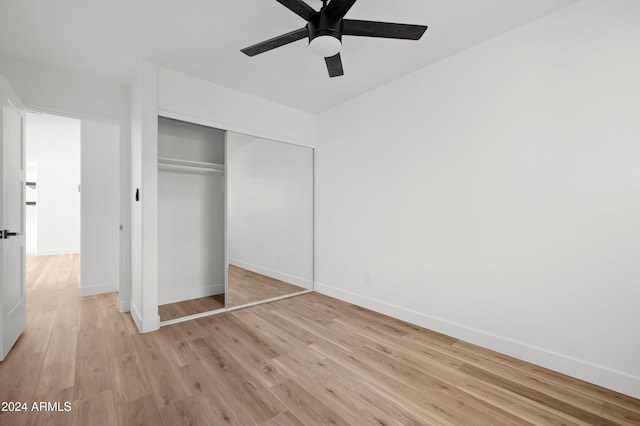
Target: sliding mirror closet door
191, 219
270, 219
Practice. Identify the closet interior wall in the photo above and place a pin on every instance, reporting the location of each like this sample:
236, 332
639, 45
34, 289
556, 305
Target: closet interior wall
191, 211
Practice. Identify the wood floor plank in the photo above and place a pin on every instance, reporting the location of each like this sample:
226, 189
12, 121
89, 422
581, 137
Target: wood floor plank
306, 360
59, 365
139, 412
92, 369
19, 376
160, 374
227, 410
305, 406
283, 419
260, 404
128, 383
193, 411
518, 405
520, 371
587, 395
322, 385
97, 410
620, 414
534, 395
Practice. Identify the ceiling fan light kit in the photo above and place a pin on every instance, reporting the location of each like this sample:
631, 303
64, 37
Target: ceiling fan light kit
325, 46
326, 27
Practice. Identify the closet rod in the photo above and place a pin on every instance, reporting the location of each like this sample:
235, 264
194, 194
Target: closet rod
192, 169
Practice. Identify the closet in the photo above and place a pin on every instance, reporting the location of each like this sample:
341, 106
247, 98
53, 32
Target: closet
191, 212
197, 150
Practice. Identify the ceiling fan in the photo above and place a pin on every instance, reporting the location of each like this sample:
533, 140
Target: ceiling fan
326, 27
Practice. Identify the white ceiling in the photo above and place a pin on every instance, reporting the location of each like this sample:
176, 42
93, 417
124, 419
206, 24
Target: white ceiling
203, 38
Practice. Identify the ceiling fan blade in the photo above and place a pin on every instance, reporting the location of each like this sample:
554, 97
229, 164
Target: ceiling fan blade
299, 7
382, 29
278, 41
339, 8
334, 65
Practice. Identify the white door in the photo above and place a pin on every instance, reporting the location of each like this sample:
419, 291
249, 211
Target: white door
12, 220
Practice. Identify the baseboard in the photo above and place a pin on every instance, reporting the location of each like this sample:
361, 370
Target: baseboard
124, 306
580, 369
291, 279
98, 289
145, 325
54, 252
189, 293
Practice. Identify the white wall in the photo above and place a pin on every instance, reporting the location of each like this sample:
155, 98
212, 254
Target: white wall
53, 149
191, 142
59, 91
100, 179
494, 196
189, 99
270, 208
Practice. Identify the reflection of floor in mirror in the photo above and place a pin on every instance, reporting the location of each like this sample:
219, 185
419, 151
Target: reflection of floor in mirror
190, 307
244, 287
247, 287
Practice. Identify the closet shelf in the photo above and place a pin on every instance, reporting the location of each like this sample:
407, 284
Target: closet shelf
173, 164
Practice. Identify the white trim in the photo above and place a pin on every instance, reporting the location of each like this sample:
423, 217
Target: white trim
292, 279
226, 222
163, 112
98, 289
602, 376
135, 315
124, 306
189, 293
192, 317
223, 310
147, 324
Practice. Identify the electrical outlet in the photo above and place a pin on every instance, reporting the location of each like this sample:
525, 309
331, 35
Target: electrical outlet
368, 278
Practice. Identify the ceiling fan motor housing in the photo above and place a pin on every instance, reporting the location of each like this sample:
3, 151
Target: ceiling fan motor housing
322, 24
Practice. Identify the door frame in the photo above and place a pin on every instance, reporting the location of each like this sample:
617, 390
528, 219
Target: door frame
124, 281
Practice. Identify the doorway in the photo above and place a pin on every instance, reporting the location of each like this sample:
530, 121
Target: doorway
73, 197
52, 185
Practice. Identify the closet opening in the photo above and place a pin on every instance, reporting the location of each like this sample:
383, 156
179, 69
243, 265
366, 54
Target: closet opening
191, 219
235, 220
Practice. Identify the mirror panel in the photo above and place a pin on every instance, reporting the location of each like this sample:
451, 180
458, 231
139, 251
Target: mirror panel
269, 219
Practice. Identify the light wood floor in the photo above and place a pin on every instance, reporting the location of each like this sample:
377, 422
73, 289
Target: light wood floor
307, 360
190, 307
244, 287
248, 287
